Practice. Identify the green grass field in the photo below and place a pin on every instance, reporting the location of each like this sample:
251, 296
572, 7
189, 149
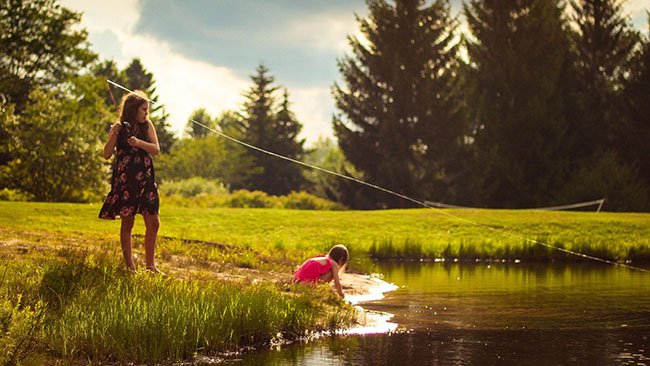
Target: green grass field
405, 234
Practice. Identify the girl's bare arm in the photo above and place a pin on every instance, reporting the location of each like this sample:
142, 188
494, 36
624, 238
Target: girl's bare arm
112, 140
151, 147
337, 280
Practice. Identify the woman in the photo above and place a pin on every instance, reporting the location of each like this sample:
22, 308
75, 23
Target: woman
133, 184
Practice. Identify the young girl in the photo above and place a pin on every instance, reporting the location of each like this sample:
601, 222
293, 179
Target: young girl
133, 184
324, 268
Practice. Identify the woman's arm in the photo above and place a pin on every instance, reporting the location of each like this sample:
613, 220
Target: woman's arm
151, 147
337, 282
112, 140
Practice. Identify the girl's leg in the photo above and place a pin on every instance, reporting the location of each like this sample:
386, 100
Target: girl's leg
327, 276
125, 240
152, 224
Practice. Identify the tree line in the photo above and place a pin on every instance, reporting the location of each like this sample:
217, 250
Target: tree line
537, 103
540, 103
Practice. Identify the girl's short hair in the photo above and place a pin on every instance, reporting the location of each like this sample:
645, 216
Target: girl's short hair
339, 252
130, 105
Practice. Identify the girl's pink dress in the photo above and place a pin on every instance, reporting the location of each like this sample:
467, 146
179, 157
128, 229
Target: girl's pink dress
311, 270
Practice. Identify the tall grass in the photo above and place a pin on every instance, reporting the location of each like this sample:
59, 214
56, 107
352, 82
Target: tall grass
83, 305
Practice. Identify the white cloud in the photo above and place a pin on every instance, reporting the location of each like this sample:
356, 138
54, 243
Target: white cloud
313, 108
183, 84
320, 31
119, 15
636, 9
636, 6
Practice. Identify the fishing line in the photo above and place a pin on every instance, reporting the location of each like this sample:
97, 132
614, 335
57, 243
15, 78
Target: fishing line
422, 203
117, 110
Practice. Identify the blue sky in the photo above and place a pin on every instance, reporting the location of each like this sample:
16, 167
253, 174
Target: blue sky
202, 52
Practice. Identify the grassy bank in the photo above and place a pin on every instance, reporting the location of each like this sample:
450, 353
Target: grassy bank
411, 234
77, 305
65, 296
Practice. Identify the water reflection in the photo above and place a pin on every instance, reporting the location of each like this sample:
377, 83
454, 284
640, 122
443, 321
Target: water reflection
495, 314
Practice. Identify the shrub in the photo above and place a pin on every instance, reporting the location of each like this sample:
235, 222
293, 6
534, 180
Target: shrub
247, 199
7, 194
186, 196
606, 175
306, 201
193, 187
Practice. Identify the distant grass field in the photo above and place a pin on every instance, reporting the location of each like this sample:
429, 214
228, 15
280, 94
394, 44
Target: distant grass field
388, 234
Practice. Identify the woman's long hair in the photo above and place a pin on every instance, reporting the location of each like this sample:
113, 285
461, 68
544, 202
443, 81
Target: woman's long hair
130, 105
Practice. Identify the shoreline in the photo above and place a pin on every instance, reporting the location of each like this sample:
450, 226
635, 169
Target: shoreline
360, 288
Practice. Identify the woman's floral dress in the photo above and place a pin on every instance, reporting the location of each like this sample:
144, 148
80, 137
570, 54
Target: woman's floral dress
133, 183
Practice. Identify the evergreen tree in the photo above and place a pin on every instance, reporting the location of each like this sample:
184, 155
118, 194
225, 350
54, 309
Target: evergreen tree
399, 124
141, 79
136, 77
194, 130
259, 125
633, 139
285, 130
522, 84
108, 70
604, 43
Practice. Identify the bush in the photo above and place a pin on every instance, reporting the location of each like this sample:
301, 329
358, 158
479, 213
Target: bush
255, 199
608, 176
202, 192
192, 187
306, 201
7, 194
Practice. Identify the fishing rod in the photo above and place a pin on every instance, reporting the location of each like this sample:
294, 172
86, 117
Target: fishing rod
421, 203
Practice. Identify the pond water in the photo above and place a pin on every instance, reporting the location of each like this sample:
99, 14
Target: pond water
493, 313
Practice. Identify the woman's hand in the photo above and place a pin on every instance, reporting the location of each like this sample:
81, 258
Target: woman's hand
133, 141
115, 129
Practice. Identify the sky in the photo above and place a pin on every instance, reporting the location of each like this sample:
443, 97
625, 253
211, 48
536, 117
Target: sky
203, 52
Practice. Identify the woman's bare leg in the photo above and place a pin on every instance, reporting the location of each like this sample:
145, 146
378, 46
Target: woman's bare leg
152, 224
125, 239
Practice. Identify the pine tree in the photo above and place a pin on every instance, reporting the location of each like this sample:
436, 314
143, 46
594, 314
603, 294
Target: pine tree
633, 139
399, 123
108, 70
194, 130
285, 130
141, 79
260, 126
604, 44
521, 77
